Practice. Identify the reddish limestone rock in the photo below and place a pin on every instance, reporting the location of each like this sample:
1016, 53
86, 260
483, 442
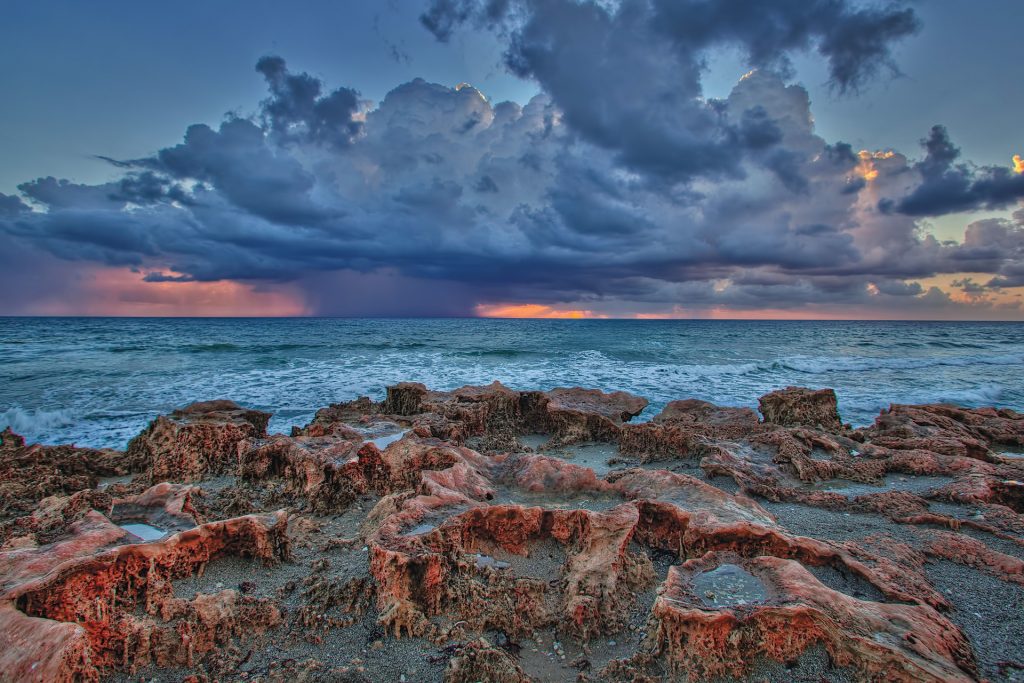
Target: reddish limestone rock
973, 553
579, 414
197, 441
882, 641
324, 471
422, 553
461, 542
478, 661
950, 430
338, 416
85, 596
169, 506
495, 414
797, 406
683, 428
29, 473
52, 517
405, 398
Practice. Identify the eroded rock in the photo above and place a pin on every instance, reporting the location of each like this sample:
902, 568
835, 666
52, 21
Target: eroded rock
418, 537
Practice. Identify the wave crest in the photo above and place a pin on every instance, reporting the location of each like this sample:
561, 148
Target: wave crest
34, 422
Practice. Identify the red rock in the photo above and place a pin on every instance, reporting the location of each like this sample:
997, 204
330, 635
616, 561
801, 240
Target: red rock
796, 406
683, 429
461, 542
29, 473
881, 641
478, 661
70, 604
197, 441
578, 414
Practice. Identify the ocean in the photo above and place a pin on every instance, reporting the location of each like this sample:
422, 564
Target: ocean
98, 381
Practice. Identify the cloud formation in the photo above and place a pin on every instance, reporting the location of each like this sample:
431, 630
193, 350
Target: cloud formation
620, 189
948, 186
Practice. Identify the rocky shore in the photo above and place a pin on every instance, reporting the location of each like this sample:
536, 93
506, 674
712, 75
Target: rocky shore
487, 534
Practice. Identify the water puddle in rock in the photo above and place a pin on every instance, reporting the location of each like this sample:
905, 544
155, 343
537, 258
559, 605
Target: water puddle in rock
146, 532
386, 440
484, 561
534, 441
106, 482
593, 455
1012, 452
729, 585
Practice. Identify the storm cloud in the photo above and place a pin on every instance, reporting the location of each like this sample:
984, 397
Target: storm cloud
620, 188
948, 186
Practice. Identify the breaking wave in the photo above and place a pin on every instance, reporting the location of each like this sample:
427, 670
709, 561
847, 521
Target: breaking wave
34, 422
820, 365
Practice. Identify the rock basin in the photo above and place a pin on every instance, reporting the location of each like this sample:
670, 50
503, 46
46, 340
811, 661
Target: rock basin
146, 532
729, 585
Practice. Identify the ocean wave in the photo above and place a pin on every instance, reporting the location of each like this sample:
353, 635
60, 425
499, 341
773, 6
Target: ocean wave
723, 370
862, 411
589, 356
227, 347
34, 422
264, 348
983, 395
497, 353
217, 347
385, 346
816, 365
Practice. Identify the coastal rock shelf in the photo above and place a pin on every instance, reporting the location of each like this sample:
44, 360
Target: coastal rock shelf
487, 534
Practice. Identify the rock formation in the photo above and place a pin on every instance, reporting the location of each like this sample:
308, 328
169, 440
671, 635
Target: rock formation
488, 534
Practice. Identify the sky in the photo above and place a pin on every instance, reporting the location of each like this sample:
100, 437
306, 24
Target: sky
519, 158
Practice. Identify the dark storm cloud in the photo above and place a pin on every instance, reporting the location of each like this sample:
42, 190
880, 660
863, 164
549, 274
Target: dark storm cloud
11, 206
63, 194
619, 187
148, 187
296, 109
239, 162
949, 187
627, 75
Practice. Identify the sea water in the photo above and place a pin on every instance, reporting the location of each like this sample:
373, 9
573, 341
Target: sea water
99, 381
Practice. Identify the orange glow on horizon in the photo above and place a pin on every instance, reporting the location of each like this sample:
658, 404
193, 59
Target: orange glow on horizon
1018, 164
121, 292
531, 311
724, 313
676, 313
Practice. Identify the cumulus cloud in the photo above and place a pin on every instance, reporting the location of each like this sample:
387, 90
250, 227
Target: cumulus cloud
627, 75
619, 189
948, 186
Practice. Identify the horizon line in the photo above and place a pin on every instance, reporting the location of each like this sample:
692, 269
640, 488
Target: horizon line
478, 317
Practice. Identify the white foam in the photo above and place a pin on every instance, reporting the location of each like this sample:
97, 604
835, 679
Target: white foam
821, 365
32, 423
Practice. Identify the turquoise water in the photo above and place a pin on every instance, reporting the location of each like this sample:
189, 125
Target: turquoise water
98, 381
